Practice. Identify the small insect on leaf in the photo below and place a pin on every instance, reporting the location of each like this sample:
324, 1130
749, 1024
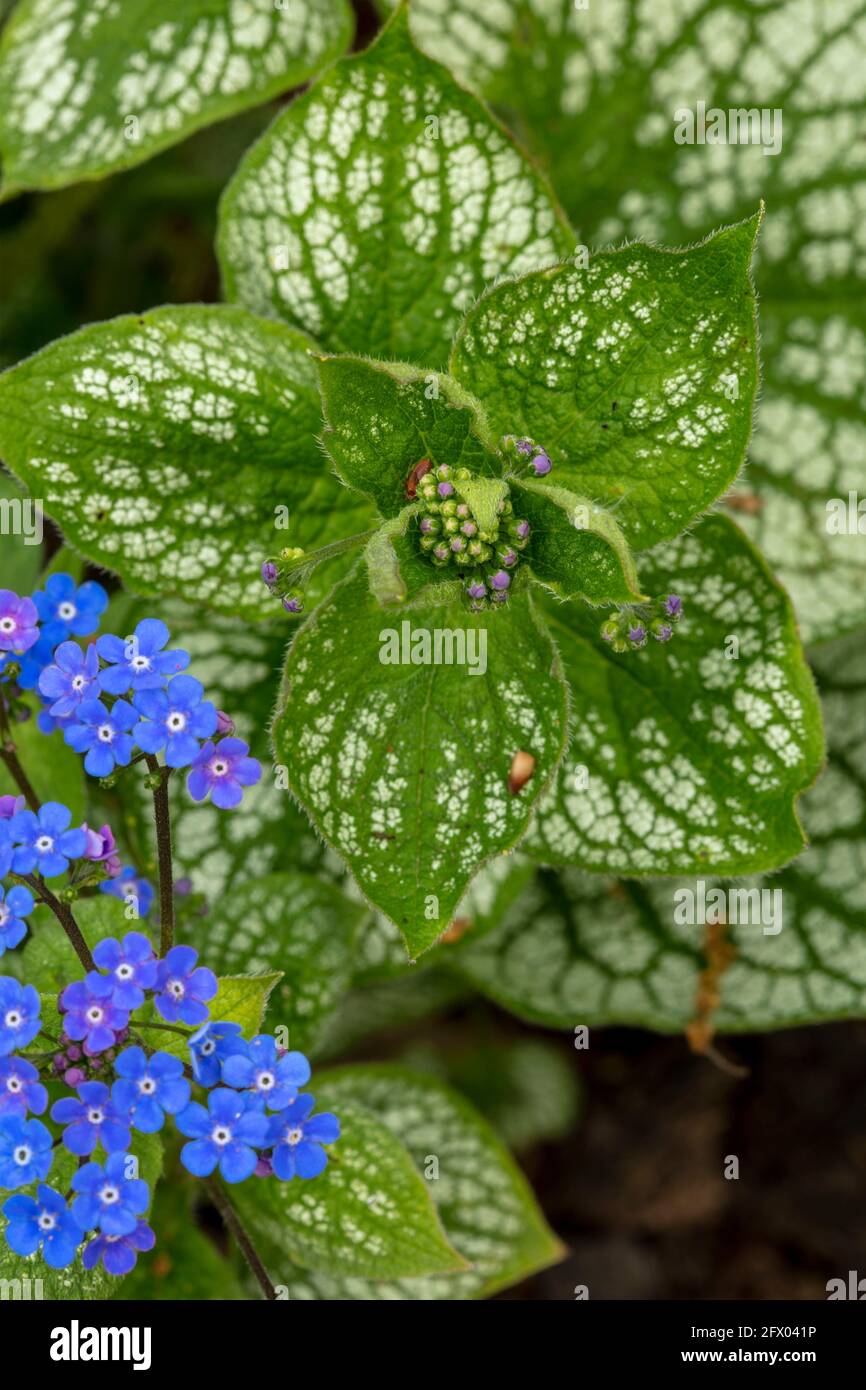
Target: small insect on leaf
522, 768
416, 474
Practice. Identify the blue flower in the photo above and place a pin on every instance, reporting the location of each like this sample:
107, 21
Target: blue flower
210, 1046
20, 1088
175, 719
19, 901
26, 1152
92, 1119
118, 1253
138, 662
19, 623
103, 735
44, 1223
19, 1014
131, 965
107, 1199
223, 1135
149, 1088
44, 841
34, 661
298, 1137
65, 684
90, 1015
182, 990
223, 770
67, 609
259, 1068
7, 849
134, 891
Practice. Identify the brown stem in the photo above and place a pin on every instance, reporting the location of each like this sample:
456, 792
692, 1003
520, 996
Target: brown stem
64, 916
162, 821
233, 1222
10, 758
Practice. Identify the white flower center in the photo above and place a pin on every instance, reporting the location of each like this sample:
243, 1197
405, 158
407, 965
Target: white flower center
294, 1136
46, 1221
219, 768
4, 913
147, 1085
78, 682
208, 1047
13, 1084
105, 733
44, 844
7, 624
22, 1154
124, 972
221, 1135
140, 663
176, 721
109, 1195
176, 988
94, 1014
66, 611
95, 1115
265, 1080
13, 1019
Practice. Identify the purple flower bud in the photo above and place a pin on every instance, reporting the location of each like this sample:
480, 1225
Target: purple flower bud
462, 510
499, 596
458, 544
523, 529
508, 557
183, 887
500, 580
73, 1052
293, 604
445, 489
10, 806
269, 573
673, 606
525, 446
73, 1076
102, 849
637, 634
662, 632
263, 1168
60, 1061
440, 551
541, 464
469, 528
225, 725
476, 589
426, 525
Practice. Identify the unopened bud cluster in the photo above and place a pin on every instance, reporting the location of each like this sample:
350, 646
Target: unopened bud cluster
274, 574
452, 536
627, 630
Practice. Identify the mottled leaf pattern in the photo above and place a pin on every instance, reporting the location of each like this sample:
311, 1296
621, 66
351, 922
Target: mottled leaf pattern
380, 204
369, 1215
485, 1203
691, 753
164, 445
404, 768
297, 925
637, 372
91, 86
595, 90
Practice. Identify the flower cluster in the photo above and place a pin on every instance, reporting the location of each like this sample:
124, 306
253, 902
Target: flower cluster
450, 535
278, 575
629, 628
252, 1119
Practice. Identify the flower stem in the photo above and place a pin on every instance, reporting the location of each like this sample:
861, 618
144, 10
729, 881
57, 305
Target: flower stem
233, 1222
10, 758
64, 916
165, 1028
162, 821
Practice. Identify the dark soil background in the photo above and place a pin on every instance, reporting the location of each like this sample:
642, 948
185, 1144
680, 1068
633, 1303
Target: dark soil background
636, 1188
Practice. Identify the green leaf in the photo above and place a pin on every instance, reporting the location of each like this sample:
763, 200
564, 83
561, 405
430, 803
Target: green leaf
170, 445
687, 755
239, 999
595, 93
379, 205
369, 1215
30, 1277
485, 1204
404, 768
637, 372
297, 925
47, 959
91, 89
54, 770
382, 418
578, 549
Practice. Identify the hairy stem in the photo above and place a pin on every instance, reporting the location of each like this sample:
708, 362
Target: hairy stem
10, 758
63, 913
233, 1222
162, 821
